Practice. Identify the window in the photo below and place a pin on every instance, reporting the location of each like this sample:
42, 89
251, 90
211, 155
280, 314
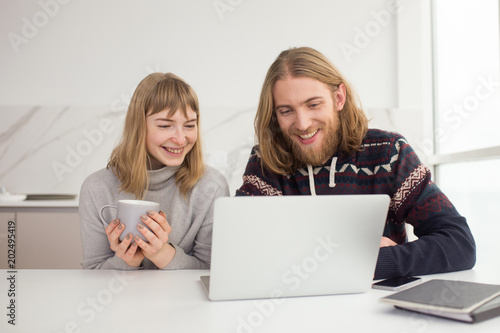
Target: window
467, 111
467, 94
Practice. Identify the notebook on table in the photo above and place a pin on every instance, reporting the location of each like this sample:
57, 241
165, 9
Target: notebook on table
459, 300
287, 246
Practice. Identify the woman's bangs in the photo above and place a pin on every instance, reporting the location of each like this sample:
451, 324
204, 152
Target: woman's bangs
170, 95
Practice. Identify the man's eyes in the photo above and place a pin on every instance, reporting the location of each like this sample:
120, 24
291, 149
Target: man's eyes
284, 112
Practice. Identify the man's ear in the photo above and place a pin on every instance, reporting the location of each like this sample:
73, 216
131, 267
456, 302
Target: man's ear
339, 96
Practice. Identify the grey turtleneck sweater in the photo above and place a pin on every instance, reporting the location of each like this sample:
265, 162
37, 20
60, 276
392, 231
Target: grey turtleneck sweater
191, 219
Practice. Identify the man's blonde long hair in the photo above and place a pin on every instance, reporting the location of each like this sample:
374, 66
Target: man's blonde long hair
130, 161
304, 62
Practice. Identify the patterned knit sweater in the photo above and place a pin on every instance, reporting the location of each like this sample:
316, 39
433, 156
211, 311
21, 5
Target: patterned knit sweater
386, 165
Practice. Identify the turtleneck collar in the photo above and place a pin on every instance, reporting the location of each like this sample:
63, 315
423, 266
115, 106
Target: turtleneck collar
159, 177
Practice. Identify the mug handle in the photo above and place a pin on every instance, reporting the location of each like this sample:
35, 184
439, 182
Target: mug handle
104, 222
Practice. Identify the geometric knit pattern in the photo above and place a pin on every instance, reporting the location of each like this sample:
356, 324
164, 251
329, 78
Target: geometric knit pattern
406, 188
261, 185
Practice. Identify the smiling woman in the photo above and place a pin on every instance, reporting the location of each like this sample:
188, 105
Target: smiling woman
159, 159
170, 137
159, 96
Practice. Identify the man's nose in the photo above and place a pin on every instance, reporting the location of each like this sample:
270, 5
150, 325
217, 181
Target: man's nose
303, 120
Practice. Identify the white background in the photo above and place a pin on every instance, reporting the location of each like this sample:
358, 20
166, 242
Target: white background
88, 56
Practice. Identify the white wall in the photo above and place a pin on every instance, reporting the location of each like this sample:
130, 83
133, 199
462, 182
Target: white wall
83, 59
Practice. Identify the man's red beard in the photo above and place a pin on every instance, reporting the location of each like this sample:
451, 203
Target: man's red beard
312, 154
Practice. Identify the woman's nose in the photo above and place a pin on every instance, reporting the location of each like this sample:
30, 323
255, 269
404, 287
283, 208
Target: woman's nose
179, 138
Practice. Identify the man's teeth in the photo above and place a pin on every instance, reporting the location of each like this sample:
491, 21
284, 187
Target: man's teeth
308, 136
175, 151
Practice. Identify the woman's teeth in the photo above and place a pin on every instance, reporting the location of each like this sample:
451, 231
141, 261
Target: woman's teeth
174, 151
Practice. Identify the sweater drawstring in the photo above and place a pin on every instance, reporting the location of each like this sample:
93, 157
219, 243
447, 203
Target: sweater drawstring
312, 185
311, 180
333, 166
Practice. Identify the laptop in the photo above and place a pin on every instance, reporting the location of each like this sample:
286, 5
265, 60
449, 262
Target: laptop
287, 246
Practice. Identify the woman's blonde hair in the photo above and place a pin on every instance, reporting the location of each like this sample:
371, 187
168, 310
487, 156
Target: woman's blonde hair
129, 160
304, 62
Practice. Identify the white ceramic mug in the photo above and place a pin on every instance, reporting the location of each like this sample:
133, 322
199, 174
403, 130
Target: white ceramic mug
129, 213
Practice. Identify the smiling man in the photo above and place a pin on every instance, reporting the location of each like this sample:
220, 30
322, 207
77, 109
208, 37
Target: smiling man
313, 139
303, 109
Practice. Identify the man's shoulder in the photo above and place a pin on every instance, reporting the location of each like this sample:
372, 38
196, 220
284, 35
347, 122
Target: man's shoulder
377, 135
255, 160
381, 146
255, 152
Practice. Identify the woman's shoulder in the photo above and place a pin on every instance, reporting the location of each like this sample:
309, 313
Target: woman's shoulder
100, 186
213, 175
101, 178
213, 179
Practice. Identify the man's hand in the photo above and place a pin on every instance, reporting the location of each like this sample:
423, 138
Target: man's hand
387, 242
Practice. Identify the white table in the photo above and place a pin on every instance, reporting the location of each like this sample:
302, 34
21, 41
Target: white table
174, 301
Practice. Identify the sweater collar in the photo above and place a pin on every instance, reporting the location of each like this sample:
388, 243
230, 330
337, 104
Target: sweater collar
159, 177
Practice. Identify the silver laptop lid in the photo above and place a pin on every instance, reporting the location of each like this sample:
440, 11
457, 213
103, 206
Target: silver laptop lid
295, 245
